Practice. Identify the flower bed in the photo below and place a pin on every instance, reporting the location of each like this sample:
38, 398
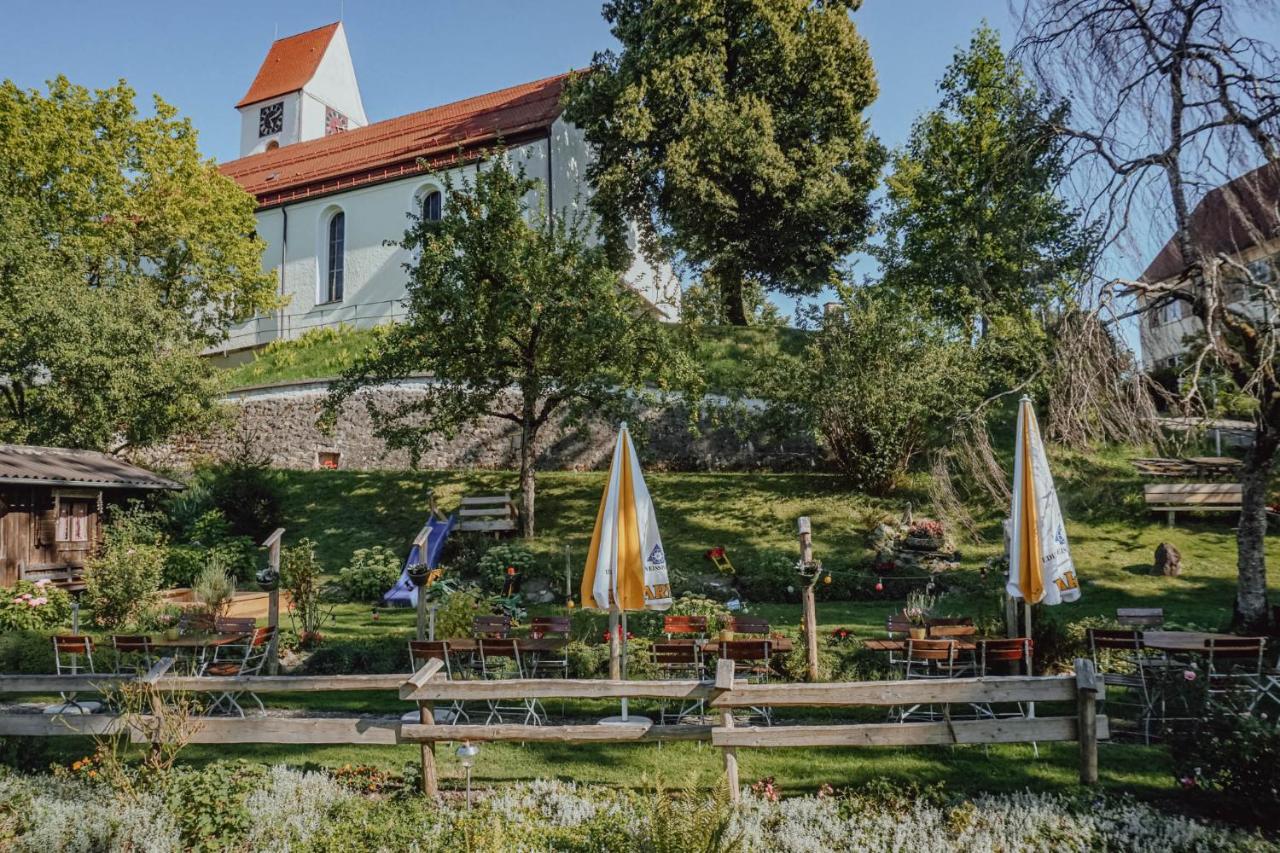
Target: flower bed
228, 806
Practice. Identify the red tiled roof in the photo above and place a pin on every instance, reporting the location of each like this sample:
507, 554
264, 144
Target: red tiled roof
1229, 219
290, 64
391, 148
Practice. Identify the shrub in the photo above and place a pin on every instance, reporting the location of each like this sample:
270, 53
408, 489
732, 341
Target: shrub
247, 493
457, 614
122, 582
210, 803
587, 660
34, 606
366, 656
891, 382
371, 572
214, 589
495, 562
181, 565
26, 651
300, 575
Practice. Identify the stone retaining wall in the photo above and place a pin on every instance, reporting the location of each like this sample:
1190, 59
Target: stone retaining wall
280, 422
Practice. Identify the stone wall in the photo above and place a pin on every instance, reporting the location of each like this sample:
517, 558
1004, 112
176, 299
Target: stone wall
280, 422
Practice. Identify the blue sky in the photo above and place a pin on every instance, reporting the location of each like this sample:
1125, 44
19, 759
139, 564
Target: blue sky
411, 55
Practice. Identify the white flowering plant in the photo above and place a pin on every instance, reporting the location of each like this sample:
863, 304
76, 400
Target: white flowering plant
33, 606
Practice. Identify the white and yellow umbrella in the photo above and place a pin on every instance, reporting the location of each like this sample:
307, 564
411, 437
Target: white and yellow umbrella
626, 566
1040, 566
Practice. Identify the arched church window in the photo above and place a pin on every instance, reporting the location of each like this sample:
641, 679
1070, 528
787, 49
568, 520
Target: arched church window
337, 244
431, 206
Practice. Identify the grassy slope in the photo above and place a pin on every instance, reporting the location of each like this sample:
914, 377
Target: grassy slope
1112, 541
727, 354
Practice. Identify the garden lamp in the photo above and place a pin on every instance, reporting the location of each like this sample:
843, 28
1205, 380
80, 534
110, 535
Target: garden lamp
467, 756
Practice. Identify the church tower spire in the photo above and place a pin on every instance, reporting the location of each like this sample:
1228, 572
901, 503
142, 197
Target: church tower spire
305, 89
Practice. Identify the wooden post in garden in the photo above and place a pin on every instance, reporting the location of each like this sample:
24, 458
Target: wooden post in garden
1087, 689
426, 715
810, 609
724, 682
272, 544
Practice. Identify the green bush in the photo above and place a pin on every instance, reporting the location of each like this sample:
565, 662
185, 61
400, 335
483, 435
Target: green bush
34, 606
122, 581
210, 804
495, 562
587, 659
369, 574
366, 656
457, 614
26, 651
181, 565
301, 577
249, 496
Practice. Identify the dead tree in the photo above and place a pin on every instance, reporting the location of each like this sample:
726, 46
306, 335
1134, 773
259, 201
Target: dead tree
1171, 99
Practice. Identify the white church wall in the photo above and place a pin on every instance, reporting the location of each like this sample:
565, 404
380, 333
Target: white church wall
374, 274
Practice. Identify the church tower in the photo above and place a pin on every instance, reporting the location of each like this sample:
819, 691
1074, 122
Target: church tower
305, 89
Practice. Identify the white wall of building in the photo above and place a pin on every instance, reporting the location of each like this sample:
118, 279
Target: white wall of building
374, 274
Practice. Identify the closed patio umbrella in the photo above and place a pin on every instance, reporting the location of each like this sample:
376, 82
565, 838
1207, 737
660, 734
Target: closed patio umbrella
626, 566
1040, 567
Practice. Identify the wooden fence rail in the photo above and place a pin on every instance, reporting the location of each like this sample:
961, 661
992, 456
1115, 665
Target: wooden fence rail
428, 686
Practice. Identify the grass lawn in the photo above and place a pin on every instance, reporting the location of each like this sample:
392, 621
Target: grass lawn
1112, 541
728, 354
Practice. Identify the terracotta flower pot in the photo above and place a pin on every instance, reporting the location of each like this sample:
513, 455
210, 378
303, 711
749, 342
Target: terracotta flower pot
726, 635
918, 633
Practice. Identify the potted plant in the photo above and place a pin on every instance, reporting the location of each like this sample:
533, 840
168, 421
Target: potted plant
926, 535
917, 611
268, 579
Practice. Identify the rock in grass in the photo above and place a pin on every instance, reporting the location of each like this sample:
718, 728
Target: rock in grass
1168, 561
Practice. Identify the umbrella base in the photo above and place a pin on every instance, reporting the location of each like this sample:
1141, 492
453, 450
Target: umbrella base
629, 720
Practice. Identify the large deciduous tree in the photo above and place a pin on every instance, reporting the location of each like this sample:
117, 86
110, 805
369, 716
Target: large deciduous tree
1171, 98
515, 317
123, 254
732, 133
974, 224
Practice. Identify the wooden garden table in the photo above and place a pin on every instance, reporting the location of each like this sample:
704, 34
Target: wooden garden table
887, 645
193, 647
1181, 641
780, 645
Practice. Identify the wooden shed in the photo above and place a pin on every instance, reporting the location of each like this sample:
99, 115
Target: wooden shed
51, 503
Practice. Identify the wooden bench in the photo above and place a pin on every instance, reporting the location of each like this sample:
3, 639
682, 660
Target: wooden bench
70, 578
488, 514
1206, 497
1143, 617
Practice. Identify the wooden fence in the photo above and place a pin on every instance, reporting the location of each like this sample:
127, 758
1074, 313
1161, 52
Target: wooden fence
427, 687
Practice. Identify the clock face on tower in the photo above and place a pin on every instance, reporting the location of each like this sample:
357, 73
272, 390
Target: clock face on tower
271, 119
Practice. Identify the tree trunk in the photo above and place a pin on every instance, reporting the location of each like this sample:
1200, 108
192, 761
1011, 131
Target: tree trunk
527, 489
1251, 613
732, 302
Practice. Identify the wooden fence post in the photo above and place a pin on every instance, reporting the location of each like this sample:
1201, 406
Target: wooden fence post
272, 544
724, 682
1087, 719
426, 715
806, 594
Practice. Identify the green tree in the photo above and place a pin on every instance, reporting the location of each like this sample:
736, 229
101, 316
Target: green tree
974, 226
123, 254
732, 132
515, 317
880, 382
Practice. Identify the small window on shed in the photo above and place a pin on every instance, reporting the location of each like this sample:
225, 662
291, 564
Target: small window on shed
330, 459
73, 520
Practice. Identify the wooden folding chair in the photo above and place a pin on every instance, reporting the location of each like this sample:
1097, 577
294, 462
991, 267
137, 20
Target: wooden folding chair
748, 625
676, 660
751, 663
234, 660
422, 651
73, 655
684, 626
134, 653
549, 664
500, 659
1107, 646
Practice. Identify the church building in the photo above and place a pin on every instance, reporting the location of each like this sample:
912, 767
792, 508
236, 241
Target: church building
333, 188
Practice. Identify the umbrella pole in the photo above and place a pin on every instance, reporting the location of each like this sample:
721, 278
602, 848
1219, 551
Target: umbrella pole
615, 653
623, 663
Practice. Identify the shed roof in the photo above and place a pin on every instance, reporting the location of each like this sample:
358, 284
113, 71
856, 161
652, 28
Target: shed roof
57, 466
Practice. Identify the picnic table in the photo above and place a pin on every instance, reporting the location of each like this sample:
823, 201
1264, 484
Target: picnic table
779, 645
1181, 641
888, 645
